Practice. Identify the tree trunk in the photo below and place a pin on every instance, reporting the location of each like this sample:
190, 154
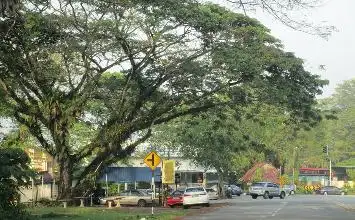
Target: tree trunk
220, 189
65, 178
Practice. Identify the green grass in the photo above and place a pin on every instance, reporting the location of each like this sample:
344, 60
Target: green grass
89, 213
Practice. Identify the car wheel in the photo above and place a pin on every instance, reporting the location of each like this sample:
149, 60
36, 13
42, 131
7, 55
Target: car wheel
207, 205
238, 194
325, 193
185, 206
270, 197
266, 195
141, 203
282, 195
254, 196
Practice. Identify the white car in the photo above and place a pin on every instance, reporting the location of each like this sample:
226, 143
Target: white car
195, 196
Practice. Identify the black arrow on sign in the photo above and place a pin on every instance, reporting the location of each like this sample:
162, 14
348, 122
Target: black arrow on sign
152, 160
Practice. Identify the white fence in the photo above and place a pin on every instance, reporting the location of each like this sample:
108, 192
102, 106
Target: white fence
37, 192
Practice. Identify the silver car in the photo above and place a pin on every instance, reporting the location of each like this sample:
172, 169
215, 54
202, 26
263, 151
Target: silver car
268, 190
128, 197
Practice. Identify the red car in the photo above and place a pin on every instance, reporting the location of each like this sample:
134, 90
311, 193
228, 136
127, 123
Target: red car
175, 198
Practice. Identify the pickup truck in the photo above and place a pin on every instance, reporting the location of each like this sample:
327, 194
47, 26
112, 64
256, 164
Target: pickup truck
268, 190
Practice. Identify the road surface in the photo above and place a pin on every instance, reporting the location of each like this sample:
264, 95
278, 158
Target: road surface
296, 207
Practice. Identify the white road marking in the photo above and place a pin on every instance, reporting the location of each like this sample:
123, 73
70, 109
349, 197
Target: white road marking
279, 209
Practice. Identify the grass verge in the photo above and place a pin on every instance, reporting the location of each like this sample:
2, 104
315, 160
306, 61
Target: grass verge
91, 213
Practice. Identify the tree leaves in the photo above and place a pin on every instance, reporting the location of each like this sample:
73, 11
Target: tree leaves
129, 65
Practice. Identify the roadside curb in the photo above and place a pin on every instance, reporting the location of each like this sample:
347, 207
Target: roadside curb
203, 210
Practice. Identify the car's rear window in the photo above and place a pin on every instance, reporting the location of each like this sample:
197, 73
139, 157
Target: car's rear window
258, 184
197, 189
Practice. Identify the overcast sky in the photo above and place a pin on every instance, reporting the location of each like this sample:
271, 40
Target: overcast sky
336, 53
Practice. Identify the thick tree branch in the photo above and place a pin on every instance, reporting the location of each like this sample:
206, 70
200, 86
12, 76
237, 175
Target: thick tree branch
36, 131
114, 155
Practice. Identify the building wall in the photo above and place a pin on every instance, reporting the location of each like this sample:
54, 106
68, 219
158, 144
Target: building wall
341, 183
37, 192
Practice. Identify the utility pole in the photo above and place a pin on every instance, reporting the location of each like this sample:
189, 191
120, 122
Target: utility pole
330, 172
326, 150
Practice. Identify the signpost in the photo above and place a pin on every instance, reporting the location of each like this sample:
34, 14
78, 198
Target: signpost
152, 160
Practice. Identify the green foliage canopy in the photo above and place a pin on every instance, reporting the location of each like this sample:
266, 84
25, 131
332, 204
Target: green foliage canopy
14, 173
120, 67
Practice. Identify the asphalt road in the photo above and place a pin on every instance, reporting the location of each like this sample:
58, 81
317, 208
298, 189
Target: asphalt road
298, 207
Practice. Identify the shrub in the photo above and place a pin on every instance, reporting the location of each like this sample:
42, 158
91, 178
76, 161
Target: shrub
112, 188
45, 202
14, 173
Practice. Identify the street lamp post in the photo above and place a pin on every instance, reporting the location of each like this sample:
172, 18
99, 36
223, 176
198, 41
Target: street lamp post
294, 164
330, 167
330, 172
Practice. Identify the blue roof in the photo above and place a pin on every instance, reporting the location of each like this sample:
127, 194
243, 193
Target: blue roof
130, 174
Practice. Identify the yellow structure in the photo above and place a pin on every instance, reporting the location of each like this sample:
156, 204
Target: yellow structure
168, 172
40, 160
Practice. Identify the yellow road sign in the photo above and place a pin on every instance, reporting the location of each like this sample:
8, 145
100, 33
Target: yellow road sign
152, 160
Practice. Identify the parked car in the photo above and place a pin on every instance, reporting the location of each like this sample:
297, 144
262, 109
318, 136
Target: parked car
233, 189
330, 190
268, 190
149, 192
128, 197
212, 193
195, 196
175, 198
236, 190
95, 195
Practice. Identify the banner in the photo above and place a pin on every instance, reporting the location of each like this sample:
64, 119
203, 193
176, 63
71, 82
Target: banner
168, 172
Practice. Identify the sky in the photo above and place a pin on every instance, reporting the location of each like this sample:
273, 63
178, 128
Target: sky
336, 53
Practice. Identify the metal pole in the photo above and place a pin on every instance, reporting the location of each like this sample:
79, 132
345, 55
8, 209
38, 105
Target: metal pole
330, 172
106, 185
54, 189
330, 167
153, 192
42, 186
33, 189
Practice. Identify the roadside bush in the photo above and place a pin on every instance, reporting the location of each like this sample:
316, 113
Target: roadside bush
45, 202
112, 188
348, 189
351, 191
14, 173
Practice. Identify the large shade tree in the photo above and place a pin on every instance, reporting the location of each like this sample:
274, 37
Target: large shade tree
119, 67
231, 140
337, 133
